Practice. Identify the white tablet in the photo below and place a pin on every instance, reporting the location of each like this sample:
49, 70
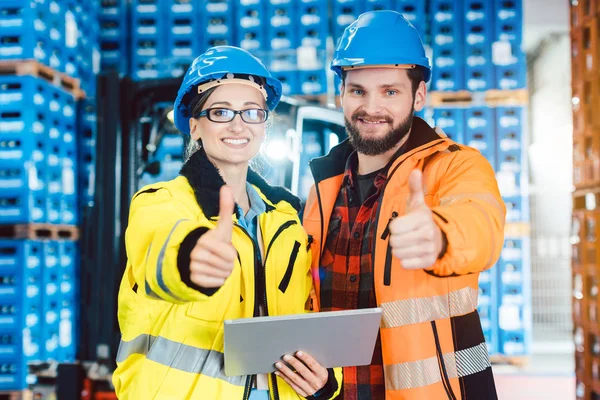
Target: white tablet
334, 339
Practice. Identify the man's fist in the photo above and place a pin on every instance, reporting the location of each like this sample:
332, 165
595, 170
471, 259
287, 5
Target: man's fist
213, 257
415, 238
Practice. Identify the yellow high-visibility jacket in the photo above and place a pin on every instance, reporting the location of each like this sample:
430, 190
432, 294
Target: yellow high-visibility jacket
172, 333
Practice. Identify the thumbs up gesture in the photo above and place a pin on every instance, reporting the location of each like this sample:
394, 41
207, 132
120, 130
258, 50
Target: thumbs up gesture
213, 256
415, 238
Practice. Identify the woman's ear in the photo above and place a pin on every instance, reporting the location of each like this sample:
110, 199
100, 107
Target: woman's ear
194, 129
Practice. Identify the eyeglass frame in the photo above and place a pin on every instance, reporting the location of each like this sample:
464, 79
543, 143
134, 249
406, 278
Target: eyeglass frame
206, 113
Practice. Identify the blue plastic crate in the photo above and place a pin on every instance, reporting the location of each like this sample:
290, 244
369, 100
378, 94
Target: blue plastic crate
17, 38
282, 38
184, 26
312, 82
289, 81
517, 208
313, 24
515, 343
377, 5
510, 77
217, 6
344, 13
250, 32
170, 147
509, 21
451, 121
478, 28
67, 337
217, 18
283, 60
479, 131
414, 12
448, 67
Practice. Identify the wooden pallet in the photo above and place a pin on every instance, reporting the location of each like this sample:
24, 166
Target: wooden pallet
492, 98
517, 361
34, 68
19, 395
39, 231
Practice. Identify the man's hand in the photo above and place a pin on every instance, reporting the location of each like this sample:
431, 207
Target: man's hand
309, 376
213, 257
415, 238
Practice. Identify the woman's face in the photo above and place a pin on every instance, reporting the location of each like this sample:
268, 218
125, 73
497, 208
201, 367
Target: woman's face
235, 142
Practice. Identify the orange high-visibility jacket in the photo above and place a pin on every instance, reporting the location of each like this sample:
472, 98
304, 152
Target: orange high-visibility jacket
432, 341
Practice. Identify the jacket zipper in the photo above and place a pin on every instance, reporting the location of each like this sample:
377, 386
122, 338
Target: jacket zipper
381, 202
442, 365
319, 202
262, 281
387, 272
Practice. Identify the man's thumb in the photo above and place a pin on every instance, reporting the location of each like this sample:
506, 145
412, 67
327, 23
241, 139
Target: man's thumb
226, 205
415, 183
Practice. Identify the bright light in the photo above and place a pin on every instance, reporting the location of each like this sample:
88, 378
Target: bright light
334, 140
171, 116
276, 150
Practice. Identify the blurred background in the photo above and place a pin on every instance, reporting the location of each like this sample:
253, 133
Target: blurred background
86, 95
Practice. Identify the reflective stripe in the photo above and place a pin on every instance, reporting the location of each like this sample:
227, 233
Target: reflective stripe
425, 309
427, 372
150, 293
180, 356
159, 263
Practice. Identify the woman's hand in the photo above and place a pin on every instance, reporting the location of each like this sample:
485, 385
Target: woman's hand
309, 376
213, 257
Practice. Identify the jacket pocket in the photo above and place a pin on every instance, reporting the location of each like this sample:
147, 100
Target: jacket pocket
283, 285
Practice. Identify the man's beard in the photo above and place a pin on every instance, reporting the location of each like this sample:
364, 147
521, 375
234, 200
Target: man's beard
377, 146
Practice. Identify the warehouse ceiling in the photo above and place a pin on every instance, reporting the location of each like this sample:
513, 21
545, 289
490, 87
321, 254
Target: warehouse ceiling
543, 17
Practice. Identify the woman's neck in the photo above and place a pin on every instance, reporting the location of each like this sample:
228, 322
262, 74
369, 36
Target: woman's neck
235, 177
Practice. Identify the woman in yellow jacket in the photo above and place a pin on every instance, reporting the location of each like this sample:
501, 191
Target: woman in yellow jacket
215, 243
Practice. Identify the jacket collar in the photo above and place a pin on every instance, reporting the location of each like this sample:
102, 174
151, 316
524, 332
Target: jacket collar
206, 181
334, 163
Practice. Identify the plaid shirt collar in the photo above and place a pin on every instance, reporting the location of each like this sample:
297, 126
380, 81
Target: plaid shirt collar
351, 169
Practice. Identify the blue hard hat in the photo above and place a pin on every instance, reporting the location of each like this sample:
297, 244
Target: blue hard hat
214, 64
380, 38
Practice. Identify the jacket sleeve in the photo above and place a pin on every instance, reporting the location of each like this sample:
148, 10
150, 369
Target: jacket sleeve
158, 224
471, 214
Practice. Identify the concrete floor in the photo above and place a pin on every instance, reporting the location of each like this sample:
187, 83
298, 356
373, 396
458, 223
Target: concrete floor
546, 376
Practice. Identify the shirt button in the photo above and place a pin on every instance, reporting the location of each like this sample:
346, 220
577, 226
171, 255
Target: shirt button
356, 235
352, 278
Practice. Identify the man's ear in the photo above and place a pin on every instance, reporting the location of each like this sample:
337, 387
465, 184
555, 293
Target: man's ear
420, 96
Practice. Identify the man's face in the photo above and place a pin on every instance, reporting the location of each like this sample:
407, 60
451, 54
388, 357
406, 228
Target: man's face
378, 108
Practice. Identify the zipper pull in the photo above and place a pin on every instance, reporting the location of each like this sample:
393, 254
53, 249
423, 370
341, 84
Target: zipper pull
386, 232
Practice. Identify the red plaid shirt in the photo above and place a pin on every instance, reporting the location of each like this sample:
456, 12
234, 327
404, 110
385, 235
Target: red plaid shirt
347, 263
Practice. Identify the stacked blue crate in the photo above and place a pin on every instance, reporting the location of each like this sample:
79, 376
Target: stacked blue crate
217, 21
478, 28
24, 125
183, 28
32, 30
86, 122
169, 153
21, 332
68, 279
377, 5
451, 121
447, 45
507, 51
281, 43
50, 300
344, 13
479, 131
414, 12
512, 162
514, 304
61, 158
487, 308
113, 35
148, 45
312, 26
251, 30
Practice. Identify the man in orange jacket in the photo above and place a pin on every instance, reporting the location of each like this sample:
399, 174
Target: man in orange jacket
404, 219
